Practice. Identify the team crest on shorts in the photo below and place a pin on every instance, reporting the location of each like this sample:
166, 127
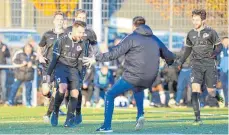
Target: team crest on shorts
58, 80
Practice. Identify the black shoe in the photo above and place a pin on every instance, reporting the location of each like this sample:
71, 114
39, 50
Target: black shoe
197, 123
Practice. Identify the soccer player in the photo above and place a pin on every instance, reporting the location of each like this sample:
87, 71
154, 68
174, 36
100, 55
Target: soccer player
45, 56
66, 53
142, 51
204, 44
81, 15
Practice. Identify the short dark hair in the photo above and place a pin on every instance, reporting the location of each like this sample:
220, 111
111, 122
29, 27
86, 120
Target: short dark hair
138, 20
200, 12
224, 38
78, 23
79, 11
58, 13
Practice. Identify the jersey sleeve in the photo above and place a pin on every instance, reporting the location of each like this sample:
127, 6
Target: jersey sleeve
43, 41
57, 47
188, 42
215, 38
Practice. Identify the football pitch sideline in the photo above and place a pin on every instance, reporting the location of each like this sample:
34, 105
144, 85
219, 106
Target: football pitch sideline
22, 120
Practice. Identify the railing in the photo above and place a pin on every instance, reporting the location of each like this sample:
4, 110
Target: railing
34, 84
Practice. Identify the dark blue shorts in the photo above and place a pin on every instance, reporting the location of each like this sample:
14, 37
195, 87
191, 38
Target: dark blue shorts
44, 74
68, 75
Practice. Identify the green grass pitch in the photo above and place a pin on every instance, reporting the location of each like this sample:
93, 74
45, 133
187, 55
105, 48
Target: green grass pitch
22, 120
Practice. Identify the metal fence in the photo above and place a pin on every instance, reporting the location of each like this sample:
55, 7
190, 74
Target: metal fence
38, 13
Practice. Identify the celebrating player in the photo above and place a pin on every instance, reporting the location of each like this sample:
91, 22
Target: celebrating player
204, 44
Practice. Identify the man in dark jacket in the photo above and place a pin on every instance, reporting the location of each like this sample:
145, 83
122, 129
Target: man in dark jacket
24, 59
4, 53
142, 51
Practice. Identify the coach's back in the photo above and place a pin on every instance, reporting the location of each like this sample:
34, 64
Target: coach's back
142, 51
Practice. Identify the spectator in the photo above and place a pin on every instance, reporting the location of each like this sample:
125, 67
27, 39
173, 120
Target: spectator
183, 81
4, 54
170, 75
103, 80
118, 62
224, 68
87, 89
24, 59
158, 87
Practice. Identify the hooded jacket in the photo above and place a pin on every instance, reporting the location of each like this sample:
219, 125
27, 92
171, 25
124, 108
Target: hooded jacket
5, 54
142, 51
24, 73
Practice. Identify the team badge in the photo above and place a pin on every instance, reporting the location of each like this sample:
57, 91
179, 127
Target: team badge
58, 80
78, 48
205, 35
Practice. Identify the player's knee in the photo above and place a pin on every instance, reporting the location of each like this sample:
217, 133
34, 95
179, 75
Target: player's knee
66, 94
219, 85
62, 88
85, 86
211, 92
74, 93
196, 87
45, 89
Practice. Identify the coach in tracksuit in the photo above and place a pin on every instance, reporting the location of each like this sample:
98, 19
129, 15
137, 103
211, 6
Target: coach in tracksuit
142, 51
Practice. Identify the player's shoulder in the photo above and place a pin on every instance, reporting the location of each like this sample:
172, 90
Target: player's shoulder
19, 52
89, 29
49, 32
90, 32
63, 37
209, 29
191, 32
68, 29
